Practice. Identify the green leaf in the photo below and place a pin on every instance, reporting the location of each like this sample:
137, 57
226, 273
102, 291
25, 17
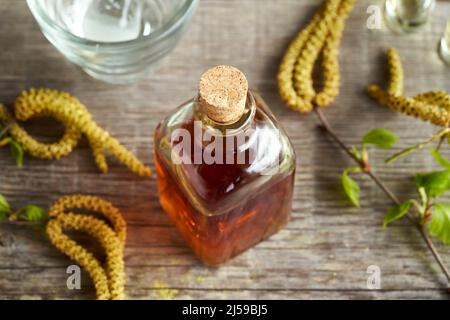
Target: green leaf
396, 213
351, 188
439, 158
356, 152
16, 152
33, 213
382, 138
423, 196
4, 205
5, 209
434, 183
439, 225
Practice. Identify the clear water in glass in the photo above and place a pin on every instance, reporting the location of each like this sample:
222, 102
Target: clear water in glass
110, 20
408, 15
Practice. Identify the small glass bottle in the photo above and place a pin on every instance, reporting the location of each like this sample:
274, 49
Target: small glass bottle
444, 45
408, 15
225, 168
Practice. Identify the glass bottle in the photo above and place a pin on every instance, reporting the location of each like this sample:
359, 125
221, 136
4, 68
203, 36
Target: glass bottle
225, 168
444, 45
408, 15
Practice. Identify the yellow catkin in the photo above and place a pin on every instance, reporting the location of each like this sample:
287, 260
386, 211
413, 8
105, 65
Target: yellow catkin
396, 79
303, 81
439, 98
330, 61
323, 34
411, 107
99, 155
286, 85
94, 204
46, 151
109, 281
76, 120
433, 106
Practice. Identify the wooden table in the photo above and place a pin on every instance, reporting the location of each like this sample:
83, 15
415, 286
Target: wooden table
325, 250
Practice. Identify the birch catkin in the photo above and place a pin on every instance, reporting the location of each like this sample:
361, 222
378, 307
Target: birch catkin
432, 106
322, 35
108, 278
77, 122
396, 73
411, 107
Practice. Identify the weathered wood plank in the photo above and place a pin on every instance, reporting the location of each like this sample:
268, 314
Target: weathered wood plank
325, 250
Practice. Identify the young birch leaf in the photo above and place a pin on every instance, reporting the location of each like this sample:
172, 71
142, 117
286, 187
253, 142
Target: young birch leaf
16, 152
4, 205
381, 138
434, 183
356, 152
439, 158
423, 195
5, 209
33, 213
439, 225
396, 213
351, 188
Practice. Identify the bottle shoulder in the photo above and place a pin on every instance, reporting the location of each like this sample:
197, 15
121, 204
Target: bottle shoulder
217, 170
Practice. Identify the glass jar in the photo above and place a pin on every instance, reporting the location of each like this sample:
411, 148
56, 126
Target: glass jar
117, 41
408, 15
444, 45
226, 186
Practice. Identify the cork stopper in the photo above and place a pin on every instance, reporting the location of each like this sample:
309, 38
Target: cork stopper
223, 94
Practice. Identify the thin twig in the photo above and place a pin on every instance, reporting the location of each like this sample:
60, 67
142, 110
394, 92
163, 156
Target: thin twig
441, 141
384, 188
332, 134
326, 125
6, 129
441, 134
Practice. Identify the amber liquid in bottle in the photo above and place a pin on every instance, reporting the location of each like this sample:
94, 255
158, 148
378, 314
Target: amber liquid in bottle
216, 239
222, 209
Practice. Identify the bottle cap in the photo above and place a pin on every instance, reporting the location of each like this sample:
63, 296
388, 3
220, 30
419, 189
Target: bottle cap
223, 94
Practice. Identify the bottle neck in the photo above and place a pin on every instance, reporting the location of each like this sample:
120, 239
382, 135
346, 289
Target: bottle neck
228, 129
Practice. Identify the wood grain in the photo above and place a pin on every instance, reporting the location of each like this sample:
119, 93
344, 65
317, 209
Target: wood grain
325, 250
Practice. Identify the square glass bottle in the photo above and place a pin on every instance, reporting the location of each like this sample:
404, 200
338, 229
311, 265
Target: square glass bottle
225, 168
